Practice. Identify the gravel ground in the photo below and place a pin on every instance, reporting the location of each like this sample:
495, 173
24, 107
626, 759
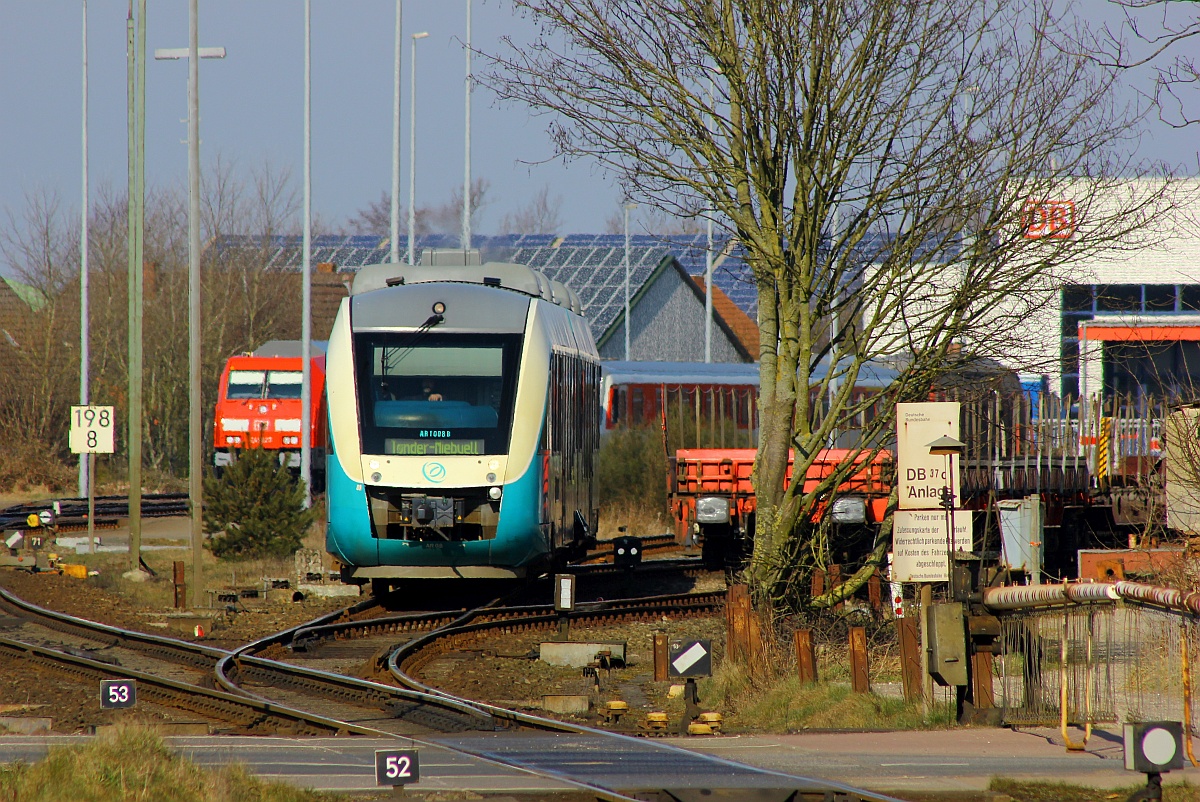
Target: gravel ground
502, 668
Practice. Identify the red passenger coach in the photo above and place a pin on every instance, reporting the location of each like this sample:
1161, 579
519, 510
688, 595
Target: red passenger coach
259, 406
640, 393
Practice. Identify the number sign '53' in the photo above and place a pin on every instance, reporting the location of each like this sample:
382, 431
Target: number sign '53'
91, 430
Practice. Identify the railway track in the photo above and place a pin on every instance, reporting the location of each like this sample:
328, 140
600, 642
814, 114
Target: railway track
71, 514
257, 694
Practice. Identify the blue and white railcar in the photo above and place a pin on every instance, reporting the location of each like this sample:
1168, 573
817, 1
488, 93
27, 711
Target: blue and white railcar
462, 439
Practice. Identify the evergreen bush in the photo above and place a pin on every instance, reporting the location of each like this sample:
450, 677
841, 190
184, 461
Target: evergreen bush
255, 509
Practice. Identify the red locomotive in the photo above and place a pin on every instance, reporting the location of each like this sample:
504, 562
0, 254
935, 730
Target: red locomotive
258, 406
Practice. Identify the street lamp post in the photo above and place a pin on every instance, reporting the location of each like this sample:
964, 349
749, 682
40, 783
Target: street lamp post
306, 274
947, 446
193, 53
412, 146
394, 253
86, 461
627, 207
466, 210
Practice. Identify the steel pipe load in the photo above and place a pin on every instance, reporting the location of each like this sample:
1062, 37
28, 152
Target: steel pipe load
1017, 597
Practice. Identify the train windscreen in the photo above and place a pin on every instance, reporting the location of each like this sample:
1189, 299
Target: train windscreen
284, 383
244, 384
436, 395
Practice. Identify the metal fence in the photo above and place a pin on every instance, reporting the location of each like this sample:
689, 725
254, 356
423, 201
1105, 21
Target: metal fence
1103, 663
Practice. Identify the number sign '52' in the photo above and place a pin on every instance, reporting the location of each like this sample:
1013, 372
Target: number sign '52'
91, 430
397, 766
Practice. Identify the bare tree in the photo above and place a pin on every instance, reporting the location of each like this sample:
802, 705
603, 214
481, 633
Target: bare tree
539, 216
447, 218
375, 219
1155, 34
41, 248
651, 220
444, 219
878, 160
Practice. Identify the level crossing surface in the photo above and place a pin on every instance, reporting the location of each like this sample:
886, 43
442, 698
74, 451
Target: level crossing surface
960, 759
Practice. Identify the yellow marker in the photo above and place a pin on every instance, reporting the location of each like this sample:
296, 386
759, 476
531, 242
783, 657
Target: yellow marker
33, 520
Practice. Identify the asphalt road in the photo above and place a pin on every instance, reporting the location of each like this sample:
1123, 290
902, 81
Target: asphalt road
943, 760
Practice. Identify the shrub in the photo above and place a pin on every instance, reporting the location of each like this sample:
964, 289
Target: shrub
255, 509
631, 468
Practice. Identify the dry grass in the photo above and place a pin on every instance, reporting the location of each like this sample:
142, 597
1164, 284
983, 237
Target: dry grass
159, 590
784, 704
638, 518
132, 763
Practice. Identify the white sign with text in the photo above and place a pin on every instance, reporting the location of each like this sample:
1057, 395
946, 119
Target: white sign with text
919, 543
921, 476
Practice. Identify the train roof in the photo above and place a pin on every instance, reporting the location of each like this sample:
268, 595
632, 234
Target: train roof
289, 348
639, 372
871, 373
505, 275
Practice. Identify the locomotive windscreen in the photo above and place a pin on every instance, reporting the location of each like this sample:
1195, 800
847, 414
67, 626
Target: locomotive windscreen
263, 384
436, 394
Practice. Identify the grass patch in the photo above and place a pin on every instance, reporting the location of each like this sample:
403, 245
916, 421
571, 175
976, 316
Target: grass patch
785, 704
1022, 791
133, 763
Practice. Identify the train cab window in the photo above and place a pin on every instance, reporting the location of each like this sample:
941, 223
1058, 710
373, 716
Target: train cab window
284, 383
441, 395
245, 384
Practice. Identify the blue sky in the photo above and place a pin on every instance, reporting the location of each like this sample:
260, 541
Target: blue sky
252, 104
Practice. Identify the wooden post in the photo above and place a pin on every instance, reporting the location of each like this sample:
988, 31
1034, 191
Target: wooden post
910, 657
818, 582
180, 579
835, 581
981, 680
660, 657
860, 680
923, 623
806, 655
754, 642
737, 609
875, 593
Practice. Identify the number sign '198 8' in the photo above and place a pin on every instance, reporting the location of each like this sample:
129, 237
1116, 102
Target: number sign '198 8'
397, 766
91, 430
118, 693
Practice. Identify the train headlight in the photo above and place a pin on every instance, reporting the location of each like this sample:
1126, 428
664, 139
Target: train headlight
712, 510
494, 493
439, 308
376, 477
849, 510
491, 477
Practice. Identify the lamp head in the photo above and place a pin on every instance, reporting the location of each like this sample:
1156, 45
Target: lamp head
946, 446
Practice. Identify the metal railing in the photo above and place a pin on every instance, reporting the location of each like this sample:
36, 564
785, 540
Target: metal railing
1094, 653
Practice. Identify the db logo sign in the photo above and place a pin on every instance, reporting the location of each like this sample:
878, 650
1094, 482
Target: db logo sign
1054, 219
434, 471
